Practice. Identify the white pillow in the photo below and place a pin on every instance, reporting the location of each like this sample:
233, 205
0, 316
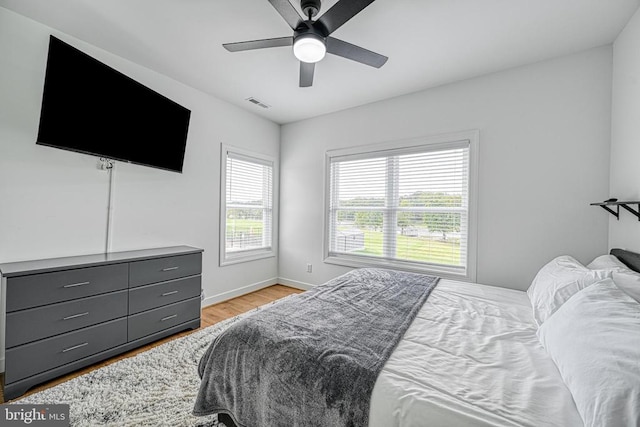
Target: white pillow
558, 281
626, 279
594, 340
629, 283
608, 262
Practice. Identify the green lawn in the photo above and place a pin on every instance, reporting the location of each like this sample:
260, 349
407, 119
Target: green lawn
243, 234
410, 248
415, 248
246, 226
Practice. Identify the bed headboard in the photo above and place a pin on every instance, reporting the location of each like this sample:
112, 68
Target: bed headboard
630, 259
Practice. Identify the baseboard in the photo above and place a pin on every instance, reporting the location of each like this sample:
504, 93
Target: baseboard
214, 299
295, 284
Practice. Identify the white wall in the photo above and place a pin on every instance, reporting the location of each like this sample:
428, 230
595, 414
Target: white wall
544, 156
54, 202
625, 135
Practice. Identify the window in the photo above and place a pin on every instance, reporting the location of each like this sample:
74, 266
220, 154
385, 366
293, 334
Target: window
404, 205
246, 206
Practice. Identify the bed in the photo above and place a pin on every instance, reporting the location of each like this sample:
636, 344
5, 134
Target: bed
477, 355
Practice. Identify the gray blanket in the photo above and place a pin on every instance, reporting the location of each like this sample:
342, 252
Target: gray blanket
312, 359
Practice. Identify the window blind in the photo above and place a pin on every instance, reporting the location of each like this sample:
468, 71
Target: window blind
408, 206
248, 201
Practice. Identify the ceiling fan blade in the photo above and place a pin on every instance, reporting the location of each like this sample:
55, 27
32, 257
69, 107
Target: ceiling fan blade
355, 53
341, 12
259, 44
306, 73
288, 12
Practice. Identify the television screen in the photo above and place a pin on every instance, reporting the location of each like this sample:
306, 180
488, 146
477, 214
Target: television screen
91, 108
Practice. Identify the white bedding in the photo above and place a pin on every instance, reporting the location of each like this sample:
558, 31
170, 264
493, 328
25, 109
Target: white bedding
471, 358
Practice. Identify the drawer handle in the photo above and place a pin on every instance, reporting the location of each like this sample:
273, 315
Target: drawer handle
170, 268
73, 285
173, 316
166, 294
75, 347
75, 316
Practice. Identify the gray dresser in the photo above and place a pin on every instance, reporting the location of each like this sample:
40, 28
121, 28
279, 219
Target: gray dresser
63, 314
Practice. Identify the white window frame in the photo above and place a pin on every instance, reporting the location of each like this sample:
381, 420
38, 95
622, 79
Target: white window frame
430, 143
254, 254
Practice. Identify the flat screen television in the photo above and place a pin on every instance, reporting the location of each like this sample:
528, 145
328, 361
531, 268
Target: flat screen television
89, 107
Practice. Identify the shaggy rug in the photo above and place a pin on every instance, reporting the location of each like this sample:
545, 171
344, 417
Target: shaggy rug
154, 388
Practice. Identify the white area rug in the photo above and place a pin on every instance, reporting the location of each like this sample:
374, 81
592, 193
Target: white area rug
154, 388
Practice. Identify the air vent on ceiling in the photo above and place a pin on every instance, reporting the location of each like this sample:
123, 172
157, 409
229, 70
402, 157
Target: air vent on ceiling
257, 102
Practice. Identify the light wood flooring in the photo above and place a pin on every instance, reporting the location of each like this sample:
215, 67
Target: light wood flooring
210, 316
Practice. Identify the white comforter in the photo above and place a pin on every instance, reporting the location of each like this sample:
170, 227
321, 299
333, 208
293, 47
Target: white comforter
471, 358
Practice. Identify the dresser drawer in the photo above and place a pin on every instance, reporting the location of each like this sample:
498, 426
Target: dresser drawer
30, 359
162, 269
148, 297
36, 323
46, 288
149, 322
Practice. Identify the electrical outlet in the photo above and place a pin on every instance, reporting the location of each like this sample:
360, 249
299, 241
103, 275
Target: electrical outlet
201, 294
309, 268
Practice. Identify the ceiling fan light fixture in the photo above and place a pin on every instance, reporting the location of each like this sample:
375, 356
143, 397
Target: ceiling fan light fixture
311, 39
309, 48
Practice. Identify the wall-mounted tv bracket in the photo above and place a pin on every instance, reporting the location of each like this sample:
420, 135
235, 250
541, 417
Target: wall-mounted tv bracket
615, 203
105, 164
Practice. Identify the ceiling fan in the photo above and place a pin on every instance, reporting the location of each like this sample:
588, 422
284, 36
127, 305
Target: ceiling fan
311, 39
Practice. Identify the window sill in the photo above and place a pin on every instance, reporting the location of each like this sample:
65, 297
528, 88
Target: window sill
230, 260
430, 269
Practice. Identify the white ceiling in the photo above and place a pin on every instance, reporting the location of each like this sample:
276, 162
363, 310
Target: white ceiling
428, 42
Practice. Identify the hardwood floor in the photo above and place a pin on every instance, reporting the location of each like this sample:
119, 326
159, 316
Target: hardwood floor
210, 316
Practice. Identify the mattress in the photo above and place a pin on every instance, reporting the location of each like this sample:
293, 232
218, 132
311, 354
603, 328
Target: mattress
471, 358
